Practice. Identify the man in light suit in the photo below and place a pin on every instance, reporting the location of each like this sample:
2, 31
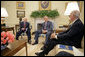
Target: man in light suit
24, 26
72, 36
47, 28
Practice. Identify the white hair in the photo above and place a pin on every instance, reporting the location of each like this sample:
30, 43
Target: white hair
25, 18
76, 13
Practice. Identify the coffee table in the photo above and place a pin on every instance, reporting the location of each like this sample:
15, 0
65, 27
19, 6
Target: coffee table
14, 47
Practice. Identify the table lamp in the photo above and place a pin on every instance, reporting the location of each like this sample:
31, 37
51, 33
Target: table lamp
4, 15
4, 12
70, 7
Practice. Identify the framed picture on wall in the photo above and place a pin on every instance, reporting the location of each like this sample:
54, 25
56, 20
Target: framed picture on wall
20, 5
20, 14
44, 5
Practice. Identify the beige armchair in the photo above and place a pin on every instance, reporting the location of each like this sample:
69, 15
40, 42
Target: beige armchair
82, 45
80, 49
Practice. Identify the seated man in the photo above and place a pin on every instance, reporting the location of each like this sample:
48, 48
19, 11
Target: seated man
24, 26
47, 28
72, 36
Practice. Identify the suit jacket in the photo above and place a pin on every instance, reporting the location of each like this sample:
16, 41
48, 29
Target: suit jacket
49, 26
74, 34
22, 25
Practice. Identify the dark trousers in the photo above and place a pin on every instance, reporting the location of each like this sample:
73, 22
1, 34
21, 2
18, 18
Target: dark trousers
40, 32
53, 42
21, 31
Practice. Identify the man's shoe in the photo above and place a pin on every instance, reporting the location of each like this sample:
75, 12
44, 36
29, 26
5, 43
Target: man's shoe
29, 41
40, 54
17, 39
35, 43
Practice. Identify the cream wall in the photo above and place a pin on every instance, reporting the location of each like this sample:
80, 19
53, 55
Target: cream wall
82, 13
60, 6
34, 5
11, 9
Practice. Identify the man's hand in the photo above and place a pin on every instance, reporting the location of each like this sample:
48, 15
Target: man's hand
44, 31
53, 35
23, 28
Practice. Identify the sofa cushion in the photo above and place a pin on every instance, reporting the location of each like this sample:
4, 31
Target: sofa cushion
82, 42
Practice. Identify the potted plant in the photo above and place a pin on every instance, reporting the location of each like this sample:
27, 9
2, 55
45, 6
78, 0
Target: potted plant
40, 14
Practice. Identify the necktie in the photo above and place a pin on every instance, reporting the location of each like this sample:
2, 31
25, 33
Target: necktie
45, 25
24, 25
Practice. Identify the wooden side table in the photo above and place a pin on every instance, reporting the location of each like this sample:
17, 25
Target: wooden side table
59, 30
8, 29
66, 26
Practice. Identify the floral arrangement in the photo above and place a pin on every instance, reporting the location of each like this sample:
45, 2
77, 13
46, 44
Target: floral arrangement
6, 38
40, 14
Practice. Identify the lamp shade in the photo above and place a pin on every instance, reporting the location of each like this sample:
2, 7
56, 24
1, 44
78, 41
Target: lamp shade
71, 7
4, 12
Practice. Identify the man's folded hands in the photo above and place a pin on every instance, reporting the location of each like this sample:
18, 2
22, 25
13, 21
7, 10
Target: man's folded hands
44, 31
53, 35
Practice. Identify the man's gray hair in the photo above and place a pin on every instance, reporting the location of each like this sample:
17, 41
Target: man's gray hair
76, 13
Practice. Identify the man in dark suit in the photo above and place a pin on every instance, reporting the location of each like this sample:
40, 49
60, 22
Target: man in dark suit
47, 28
24, 27
72, 36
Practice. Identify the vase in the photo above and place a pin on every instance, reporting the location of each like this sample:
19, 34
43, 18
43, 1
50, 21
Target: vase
4, 46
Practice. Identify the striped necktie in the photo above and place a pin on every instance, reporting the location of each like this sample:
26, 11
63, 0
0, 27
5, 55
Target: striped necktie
24, 24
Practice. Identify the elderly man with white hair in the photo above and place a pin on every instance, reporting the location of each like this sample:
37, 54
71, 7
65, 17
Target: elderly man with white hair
72, 36
24, 26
